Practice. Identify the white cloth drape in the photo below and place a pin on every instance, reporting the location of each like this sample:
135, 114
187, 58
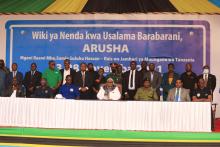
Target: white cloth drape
118, 115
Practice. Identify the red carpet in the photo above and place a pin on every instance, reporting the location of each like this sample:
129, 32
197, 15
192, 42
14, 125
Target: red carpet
217, 125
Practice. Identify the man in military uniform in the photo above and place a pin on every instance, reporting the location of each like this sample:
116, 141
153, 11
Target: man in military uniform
114, 74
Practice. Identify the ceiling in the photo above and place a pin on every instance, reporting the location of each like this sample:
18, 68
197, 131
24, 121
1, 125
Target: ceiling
109, 6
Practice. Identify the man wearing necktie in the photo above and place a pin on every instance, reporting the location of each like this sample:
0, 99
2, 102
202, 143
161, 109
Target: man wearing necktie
209, 79
131, 82
32, 80
14, 74
155, 78
168, 80
177, 97
84, 81
143, 70
178, 93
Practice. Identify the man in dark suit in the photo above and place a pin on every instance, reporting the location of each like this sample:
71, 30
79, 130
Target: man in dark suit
155, 78
93, 75
32, 80
210, 79
92, 71
67, 71
14, 74
84, 82
131, 81
143, 71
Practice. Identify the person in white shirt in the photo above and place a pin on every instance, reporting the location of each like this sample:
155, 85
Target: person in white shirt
109, 91
131, 82
67, 70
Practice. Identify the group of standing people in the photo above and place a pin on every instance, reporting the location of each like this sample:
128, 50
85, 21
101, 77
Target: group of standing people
89, 84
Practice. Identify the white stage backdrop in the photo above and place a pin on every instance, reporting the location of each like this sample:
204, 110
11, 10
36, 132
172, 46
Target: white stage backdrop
111, 115
105, 38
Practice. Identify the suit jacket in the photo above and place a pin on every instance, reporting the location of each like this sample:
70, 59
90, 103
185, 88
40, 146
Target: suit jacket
79, 82
143, 74
19, 77
157, 79
184, 95
211, 84
72, 73
126, 80
165, 84
88, 83
31, 81
93, 75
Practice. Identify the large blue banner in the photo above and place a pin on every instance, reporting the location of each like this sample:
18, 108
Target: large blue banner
102, 42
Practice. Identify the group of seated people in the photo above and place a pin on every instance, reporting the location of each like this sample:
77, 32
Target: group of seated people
145, 84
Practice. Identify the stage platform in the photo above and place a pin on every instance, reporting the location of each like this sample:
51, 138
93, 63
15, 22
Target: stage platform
61, 137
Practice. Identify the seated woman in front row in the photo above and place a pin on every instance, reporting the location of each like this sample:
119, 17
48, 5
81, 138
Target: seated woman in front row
146, 93
109, 91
